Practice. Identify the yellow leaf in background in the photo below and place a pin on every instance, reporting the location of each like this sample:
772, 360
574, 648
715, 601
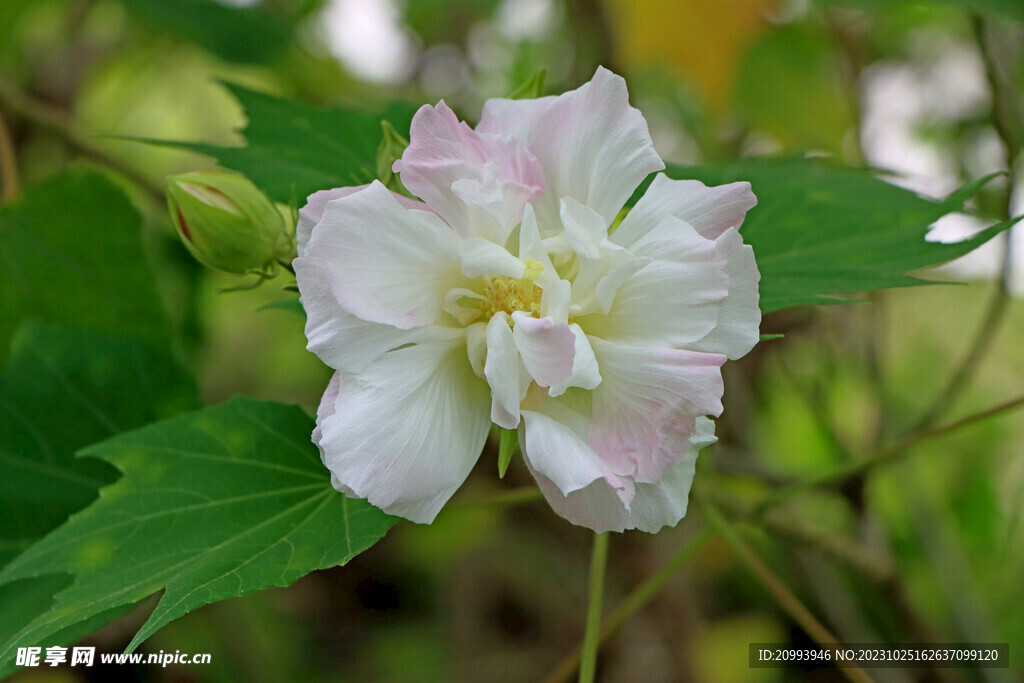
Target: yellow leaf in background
702, 42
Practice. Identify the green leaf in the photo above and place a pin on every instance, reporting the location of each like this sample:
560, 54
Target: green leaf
532, 87
295, 149
63, 390
237, 34
820, 229
211, 505
71, 253
506, 448
290, 304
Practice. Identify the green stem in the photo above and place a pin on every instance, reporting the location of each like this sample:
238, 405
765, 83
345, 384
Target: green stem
595, 592
634, 602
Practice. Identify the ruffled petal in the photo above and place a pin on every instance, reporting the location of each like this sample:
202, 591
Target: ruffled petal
645, 408
406, 431
585, 371
547, 348
667, 303
591, 144
340, 339
599, 506
313, 211
739, 316
553, 436
478, 183
391, 265
710, 210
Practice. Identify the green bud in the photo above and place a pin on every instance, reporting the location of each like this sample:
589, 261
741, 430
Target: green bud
227, 222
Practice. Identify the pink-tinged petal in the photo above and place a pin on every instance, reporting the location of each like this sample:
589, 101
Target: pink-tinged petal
547, 348
478, 183
585, 371
710, 210
340, 339
739, 316
553, 436
407, 430
667, 303
591, 144
313, 211
326, 409
483, 257
390, 265
599, 506
645, 408
502, 372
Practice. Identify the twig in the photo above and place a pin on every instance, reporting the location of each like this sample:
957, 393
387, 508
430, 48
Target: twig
8, 163
785, 597
633, 603
847, 471
1004, 114
55, 120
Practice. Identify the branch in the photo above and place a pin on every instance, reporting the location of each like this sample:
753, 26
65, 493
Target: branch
8, 163
845, 472
57, 121
785, 597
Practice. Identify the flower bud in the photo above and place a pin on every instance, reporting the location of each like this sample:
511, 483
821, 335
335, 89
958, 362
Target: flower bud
226, 221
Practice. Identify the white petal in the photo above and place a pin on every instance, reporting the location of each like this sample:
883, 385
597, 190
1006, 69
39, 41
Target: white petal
313, 211
645, 408
585, 372
653, 506
554, 440
532, 247
710, 210
584, 228
667, 303
547, 348
591, 144
478, 183
483, 257
407, 430
739, 317
340, 339
476, 347
391, 265
502, 372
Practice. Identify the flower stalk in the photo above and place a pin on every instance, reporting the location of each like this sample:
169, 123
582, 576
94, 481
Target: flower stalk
595, 594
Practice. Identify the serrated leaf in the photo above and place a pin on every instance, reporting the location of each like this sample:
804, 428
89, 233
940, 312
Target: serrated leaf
294, 149
212, 504
62, 390
820, 229
71, 253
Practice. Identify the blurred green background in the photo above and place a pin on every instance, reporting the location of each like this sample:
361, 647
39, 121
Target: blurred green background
929, 547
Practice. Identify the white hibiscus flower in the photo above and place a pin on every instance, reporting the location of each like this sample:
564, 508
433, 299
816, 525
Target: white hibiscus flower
505, 297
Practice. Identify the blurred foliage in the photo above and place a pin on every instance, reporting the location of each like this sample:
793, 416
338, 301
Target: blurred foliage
929, 547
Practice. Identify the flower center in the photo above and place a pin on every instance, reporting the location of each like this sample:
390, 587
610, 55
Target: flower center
505, 294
